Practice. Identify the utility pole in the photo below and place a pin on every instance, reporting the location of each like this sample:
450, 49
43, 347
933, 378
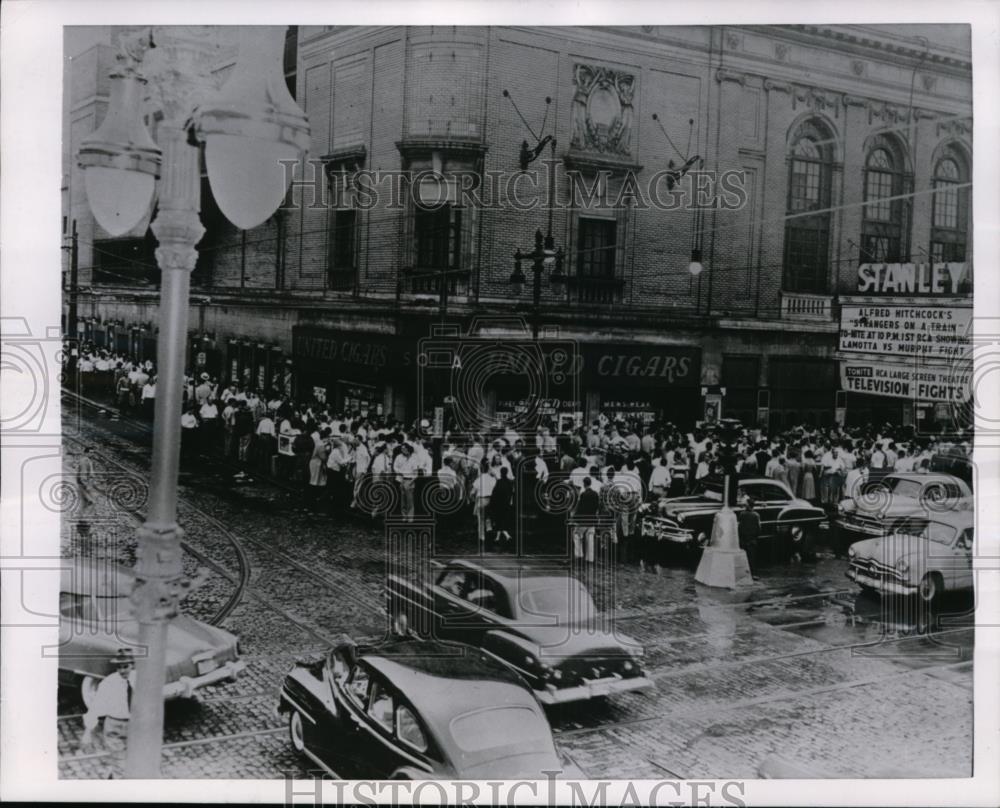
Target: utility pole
74, 281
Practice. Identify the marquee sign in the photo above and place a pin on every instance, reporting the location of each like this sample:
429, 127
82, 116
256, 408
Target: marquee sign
911, 279
936, 384
928, 332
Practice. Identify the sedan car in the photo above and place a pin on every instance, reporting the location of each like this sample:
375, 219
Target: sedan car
96, 620
413, 709
900, 495
537, 620
924, 557
687, 521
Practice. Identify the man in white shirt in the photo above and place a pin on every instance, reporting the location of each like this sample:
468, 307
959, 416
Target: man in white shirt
149, 398
362, 462
483, 489
406, 475
112, 701
659, 479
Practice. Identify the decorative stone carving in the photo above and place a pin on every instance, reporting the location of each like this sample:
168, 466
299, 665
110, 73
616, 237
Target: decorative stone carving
816, 99
648, 29
855, 101
857, 67
928, 81
777, 86
722, 75
732, 40
781, 51
602, 110
888, 113
955, 127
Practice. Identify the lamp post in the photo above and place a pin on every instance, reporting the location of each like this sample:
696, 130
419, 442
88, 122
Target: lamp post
247, 127
543, 256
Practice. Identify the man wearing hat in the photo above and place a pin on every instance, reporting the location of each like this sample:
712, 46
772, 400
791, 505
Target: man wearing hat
203, 392
112, 701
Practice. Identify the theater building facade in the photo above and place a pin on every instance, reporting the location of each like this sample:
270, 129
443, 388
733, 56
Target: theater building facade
791, 164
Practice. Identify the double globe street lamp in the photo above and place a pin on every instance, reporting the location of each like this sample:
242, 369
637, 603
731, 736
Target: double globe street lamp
252, 131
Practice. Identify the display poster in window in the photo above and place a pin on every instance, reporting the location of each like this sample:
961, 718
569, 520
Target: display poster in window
319, 393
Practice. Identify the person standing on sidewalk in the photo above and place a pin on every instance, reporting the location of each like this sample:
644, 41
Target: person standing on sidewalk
149, 398
406, 475
585, 514
362, 462
112, 702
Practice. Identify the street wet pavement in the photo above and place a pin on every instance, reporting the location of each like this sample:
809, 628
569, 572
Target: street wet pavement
801, 664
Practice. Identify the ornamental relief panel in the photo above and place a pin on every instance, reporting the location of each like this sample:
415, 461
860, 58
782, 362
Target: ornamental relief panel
602, 110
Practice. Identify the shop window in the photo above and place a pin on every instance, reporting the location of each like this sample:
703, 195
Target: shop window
437, 237
885, 220
343, 238
126, 261
949, 216
807, 228
803, 392
741, 380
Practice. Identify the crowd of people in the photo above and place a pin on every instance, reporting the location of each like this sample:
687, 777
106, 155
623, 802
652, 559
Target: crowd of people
376, 464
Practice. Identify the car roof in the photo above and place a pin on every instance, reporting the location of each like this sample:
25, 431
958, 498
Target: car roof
925, 476
513, 569
444, 680
960, 519
92, 576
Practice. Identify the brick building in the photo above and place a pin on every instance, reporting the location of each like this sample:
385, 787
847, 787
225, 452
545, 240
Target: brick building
845, 146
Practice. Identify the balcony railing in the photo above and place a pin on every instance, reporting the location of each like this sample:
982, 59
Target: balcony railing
596, 290
803, 306
428, 282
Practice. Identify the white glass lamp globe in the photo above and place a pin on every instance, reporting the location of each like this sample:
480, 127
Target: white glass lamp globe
253, 131
119, 198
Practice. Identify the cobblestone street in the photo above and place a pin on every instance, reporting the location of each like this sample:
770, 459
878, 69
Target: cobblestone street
801, 664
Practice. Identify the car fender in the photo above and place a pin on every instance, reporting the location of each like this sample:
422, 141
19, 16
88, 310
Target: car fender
408, 773
800, 515
511, 649
308, 693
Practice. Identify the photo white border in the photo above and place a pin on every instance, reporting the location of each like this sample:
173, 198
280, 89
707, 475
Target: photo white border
31, 127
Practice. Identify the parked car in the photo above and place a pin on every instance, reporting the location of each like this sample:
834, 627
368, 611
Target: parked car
415, 709
924, 557
537, 620
96, 620
687, 521
898, 495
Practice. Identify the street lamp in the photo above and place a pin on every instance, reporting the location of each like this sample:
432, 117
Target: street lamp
247, 129
543, 257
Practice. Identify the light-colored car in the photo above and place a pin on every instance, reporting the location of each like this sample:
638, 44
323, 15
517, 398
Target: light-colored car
923, 557
875, 510
96, 619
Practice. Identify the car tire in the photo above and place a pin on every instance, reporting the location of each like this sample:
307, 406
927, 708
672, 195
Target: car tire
400, 624
88, 689
296, 732
930, 588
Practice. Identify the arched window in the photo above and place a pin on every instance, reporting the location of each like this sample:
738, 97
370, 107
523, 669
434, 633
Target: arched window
807, 226
885, 221
950, 214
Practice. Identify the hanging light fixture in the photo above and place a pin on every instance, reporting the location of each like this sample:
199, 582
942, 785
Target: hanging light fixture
120, 161
695, 267
250, 128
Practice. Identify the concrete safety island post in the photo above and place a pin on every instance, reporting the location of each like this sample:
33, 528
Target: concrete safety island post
723, 564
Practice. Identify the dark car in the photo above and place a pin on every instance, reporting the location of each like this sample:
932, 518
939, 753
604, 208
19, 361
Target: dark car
687, 521
536, 619
416, 709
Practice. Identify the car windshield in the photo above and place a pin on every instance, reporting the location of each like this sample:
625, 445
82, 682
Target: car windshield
903, 487
498, 727
569, 601
940, 533
709, 490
